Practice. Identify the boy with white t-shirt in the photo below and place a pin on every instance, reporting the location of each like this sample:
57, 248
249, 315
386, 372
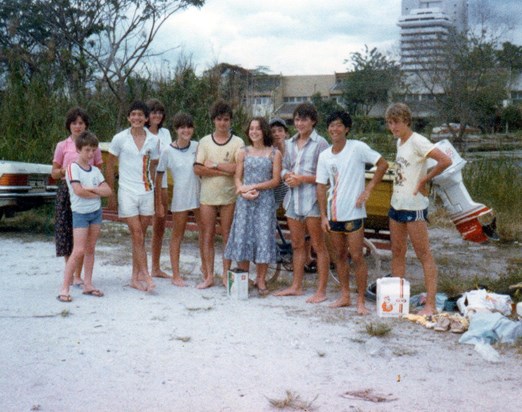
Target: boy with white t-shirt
343, 213
86, 186
178, 158
409, 203
137, 152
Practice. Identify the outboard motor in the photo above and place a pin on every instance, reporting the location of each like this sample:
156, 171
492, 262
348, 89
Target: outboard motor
474, 221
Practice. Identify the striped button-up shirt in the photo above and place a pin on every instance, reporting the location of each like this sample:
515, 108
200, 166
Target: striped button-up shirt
302, 162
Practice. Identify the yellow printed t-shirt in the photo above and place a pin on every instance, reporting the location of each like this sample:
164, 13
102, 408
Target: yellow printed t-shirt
218, 190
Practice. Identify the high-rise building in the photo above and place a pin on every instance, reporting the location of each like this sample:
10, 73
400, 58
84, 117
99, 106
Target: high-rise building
425, 26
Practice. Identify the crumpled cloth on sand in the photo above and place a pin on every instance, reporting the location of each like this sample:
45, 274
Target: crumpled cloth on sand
490, 328
481, 300
419, 300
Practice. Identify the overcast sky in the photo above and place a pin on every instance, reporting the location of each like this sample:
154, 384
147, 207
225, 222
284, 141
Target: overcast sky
291, 36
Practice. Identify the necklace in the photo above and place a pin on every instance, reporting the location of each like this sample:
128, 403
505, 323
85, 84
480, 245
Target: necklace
181, 149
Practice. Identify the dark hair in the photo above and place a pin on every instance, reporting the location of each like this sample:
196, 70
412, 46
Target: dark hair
138, 105
220, 108
341, 115
73, 114
182, 119
304, 110
155, 105
86, 139
265, 128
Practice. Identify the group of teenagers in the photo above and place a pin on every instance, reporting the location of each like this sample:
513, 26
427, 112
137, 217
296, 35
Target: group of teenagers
321, 186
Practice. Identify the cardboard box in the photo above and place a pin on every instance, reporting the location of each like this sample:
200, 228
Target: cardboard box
237, 284
393, 297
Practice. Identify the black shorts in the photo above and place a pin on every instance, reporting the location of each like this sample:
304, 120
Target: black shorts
346, 227
406, 216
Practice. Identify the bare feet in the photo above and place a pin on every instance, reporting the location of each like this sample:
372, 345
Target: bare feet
341, 302
428, 310
361, 309
136, 284
160, 274
149, 283
207, 283
291, 291
316, 298
177, 280
78, 282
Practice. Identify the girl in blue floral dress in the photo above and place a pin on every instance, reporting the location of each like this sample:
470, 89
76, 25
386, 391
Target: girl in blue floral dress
258, 170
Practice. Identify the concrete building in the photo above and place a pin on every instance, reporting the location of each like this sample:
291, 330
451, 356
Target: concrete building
278, 95
425, 26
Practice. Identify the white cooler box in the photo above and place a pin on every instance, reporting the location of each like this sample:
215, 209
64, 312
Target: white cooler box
237, 284
393, 297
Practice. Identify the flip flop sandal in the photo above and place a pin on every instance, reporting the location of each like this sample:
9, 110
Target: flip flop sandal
64, 298
94, 292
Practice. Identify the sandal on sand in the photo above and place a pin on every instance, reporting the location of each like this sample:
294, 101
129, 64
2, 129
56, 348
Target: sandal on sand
263, 291
458, 325
64, 298
442, 325
94, 292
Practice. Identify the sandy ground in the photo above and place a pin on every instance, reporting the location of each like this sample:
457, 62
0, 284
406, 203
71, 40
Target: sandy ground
183, 349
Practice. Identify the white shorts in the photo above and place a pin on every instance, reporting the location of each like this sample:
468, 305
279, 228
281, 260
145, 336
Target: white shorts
130, 204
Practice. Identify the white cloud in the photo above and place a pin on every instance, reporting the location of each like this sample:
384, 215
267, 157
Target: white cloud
288, 36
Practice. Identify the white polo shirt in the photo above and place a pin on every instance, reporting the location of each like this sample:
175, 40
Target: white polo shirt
134, 164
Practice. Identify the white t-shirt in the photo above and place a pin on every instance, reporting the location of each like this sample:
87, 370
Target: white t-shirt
134, 164
91, 177
180, 162
165, 139
345, 172
410, 166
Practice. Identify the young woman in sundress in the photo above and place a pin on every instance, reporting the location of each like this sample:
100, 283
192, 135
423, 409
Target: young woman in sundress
258, 170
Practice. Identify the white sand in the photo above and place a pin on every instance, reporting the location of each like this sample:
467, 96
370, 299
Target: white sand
183, 349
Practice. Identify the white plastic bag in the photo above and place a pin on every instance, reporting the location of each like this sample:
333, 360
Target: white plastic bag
483, 301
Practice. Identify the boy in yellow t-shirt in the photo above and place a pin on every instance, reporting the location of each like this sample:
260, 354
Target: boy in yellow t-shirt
216, 164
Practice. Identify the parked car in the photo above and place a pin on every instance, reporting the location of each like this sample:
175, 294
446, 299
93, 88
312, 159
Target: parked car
446, 130
24, 186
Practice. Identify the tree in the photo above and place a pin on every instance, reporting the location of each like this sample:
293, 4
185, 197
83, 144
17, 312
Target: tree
83, 41
373, 79
465, 80
120, 47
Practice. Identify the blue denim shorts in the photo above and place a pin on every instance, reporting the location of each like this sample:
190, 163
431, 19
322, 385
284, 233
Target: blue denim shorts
291, 214
83, 220
406, 216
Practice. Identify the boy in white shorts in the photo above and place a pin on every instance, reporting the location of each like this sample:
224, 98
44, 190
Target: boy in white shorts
343, 213
137, 151
86, 186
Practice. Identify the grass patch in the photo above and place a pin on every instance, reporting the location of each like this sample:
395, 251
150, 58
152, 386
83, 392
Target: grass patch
453, 283
498, 184
378, 329
293, 402
35, 221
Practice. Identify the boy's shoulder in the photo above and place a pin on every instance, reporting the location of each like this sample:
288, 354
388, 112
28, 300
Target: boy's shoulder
122, 134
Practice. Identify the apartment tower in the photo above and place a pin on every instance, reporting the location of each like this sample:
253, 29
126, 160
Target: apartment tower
425, 26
